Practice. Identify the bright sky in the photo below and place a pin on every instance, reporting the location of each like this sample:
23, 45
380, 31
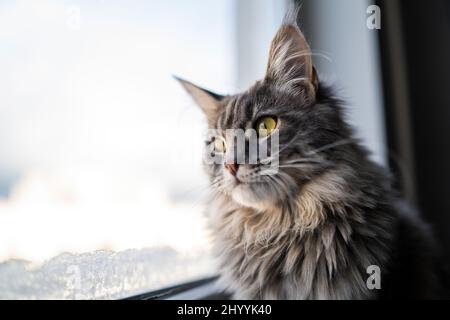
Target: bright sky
98, 143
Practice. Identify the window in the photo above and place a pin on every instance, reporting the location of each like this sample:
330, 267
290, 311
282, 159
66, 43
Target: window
100, 169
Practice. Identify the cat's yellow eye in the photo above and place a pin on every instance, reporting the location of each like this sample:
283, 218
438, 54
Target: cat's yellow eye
219, 145
265, 126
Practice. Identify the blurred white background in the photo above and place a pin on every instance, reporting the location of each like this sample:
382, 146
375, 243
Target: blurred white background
100, 148
99, 145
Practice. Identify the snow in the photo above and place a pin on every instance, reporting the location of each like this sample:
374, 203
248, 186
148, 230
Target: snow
102, 274
141, 240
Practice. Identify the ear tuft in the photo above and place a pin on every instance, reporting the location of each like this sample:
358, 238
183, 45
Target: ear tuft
290, 64
208, 101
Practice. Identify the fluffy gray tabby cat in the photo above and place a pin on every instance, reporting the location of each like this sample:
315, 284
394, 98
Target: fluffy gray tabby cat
312, 230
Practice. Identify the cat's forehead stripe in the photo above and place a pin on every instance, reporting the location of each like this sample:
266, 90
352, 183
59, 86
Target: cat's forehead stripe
238, 111
225, 114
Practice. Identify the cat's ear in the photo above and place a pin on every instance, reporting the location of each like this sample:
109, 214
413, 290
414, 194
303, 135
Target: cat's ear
208, 101
290, 64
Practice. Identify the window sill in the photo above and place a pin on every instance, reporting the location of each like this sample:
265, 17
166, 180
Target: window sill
204, 289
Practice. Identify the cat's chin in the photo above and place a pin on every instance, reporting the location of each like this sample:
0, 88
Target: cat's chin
246, 197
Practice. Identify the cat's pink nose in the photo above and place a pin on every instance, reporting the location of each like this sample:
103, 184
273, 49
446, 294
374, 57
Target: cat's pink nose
232, 168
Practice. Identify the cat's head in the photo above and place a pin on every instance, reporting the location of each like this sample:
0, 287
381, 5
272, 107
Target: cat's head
289, 104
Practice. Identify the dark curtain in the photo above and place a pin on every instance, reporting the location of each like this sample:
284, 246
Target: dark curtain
415, 55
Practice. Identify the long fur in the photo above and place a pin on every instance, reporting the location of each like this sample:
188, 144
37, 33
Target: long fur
339, 223
312, 230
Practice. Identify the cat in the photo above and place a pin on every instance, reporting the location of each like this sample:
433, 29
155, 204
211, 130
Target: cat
315, 228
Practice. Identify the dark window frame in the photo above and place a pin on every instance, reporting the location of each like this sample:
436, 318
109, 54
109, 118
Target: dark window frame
202, 289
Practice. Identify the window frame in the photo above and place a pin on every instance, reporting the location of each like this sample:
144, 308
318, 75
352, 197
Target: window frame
202, 289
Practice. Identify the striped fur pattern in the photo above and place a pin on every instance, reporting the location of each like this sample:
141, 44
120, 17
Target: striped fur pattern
311, 230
